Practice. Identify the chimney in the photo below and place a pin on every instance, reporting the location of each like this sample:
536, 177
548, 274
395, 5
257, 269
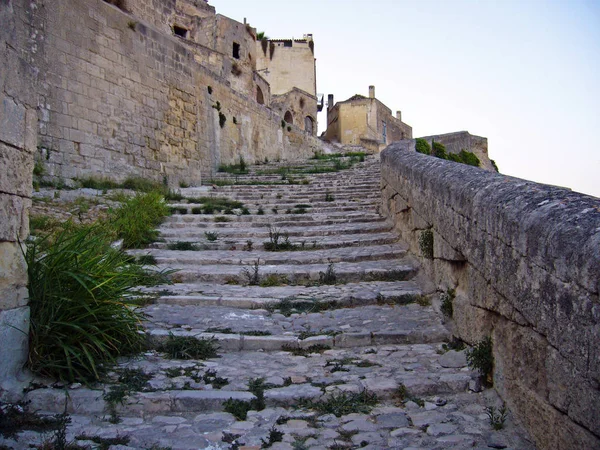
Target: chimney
244, 21
399, 115
371, 91
329, 101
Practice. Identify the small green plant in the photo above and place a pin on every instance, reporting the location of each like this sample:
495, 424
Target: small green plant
403, 395
274, 279
481, 357
497, 417
131, 24
238, 408
260, 211
252, 275
426, 243
422, 146
454, 344
329, 197
439, 150
211, 236
278, 241
343, 403
210, 377
249, 245
297, 351
329, 276
494, 165
289, 306
182, 245
38, 169
189, 347
274, 436
447, 302
221, 219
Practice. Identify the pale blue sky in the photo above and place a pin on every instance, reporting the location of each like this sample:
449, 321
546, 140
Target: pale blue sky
523, 73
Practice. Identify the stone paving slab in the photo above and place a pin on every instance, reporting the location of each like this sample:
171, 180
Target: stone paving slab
345, 272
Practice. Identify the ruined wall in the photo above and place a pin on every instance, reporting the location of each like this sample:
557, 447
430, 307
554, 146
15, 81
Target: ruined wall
21, 49
525, 261
123, 99
463, 140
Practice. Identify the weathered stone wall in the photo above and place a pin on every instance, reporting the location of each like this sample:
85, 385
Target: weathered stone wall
463, 140
525, 261
21, 47
125, 99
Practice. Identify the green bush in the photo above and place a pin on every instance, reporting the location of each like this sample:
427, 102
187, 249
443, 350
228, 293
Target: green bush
481, 357
135, 220
469, 158
80, 290
422, 146
426, 243
439, 150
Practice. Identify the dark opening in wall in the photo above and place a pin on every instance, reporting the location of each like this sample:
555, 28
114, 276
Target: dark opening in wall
236, 50
287, 44
180, 31
288, 117
260, 98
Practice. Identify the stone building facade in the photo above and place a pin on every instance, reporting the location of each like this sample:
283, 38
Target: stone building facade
364, 121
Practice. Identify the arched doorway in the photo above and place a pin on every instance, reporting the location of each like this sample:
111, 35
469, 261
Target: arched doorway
260, 98
288, 117
309, 125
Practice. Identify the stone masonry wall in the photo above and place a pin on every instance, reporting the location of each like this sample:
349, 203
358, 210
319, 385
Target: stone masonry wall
21, 45
123, 99
524, 259
463, 140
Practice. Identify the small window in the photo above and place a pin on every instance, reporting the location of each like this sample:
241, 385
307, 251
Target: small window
287, 44
180, 31
236, 50
288, 117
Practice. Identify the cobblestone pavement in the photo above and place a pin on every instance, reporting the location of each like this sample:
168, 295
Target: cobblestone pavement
328, 344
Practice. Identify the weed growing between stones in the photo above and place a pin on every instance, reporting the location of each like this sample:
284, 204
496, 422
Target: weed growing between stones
249, 245
80, 293
189, 347
403, 395
481, 357
329, 197
447, 299
343, 403
16, 417
274, 279
297, 351
211, 236
329, 276
454, 344
426, 243
289, 306
274, 436
252, 275
222, 219
239, 408
182, 245
278, 241
210, 377
497, 417
130, 380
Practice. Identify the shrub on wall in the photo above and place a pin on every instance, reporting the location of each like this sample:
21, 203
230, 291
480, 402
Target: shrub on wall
469, 158
422, 146
426, 243
439, 150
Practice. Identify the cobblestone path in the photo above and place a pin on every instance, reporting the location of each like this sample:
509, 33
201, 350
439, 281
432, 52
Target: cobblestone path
329, 341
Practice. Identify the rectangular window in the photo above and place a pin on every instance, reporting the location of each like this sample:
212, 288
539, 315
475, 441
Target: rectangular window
236, 50
180, 31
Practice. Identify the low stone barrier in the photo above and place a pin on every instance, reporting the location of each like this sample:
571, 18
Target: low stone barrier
524, 259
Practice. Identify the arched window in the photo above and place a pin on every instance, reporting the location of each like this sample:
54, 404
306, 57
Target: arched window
260, 98
309, 125
288, 117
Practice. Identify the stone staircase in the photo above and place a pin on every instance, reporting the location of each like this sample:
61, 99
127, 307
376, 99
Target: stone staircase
339, 315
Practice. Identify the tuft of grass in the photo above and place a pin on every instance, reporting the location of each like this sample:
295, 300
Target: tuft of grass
239, 168
289, 306
426, 243
210, 377
447, 299
189, 347
135, 221
274, 279
238, 408
252, 275
343, 403
211, 236
296, 351
221, 219
16, 417
329, 276
80, 292
278, 241
274, 436
182, 245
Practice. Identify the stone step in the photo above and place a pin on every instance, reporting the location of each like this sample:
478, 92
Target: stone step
305, 274
233, 243
256, 297
238, 329
178, 258
289, 210
263, 233
177, 386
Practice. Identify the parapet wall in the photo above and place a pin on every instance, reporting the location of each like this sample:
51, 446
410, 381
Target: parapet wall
122, 98
463, 140
524, 259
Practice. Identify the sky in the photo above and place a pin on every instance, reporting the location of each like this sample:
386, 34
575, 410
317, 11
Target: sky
523, 73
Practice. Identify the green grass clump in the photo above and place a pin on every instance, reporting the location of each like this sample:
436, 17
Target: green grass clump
289, 306
218, 204
426, 243
43, 224
343, 403
297, 351
447, 305
135, 221
80, 292
182, 245
481, 357
239, 168
189, 347
422, 146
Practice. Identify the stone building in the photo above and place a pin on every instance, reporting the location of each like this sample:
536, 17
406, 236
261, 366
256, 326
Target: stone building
364, 121
289, 66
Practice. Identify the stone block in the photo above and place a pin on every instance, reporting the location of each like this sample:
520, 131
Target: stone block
13, 276
16, 167
14, 221
345, 340
14, 336
12, 122
78, 401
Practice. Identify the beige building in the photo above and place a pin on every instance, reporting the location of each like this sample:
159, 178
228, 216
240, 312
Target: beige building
364, 121
288, 65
